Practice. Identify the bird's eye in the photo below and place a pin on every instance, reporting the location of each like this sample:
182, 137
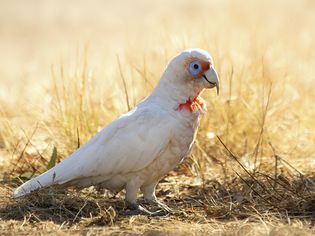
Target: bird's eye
194, 67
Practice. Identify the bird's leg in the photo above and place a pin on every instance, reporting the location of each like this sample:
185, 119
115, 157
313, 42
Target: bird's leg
133, 208
151, 199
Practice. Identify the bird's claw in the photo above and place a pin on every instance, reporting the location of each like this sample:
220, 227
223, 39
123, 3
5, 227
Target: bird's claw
136, 209
160, 205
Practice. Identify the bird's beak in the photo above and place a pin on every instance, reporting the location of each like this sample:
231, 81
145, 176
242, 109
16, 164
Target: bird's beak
211, 79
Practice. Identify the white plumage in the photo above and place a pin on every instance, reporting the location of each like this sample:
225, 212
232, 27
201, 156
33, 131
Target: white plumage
139, 148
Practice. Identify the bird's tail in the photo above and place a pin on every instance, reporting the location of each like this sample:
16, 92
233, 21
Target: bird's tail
44, 180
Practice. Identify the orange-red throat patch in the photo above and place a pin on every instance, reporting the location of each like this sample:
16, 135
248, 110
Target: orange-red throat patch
196, 104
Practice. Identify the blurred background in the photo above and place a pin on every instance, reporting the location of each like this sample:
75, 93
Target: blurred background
35, 34
62, 66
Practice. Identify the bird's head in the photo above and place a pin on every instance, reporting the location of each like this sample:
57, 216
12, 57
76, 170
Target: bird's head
193, 69
185, 77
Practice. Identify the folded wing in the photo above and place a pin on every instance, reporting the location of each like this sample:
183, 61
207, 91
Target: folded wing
128, 144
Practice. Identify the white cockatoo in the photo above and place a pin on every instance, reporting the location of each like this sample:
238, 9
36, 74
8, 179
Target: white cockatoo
139, 148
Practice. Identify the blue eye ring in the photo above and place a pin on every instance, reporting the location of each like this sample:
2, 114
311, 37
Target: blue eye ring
194, 68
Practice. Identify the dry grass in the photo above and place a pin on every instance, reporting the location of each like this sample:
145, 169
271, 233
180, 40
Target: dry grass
233, 208
67, 69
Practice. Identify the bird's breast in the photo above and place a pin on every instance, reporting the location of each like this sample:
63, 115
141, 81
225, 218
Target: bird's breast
184, 135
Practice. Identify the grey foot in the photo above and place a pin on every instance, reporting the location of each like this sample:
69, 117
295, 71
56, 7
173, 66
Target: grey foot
160, 205
136, 209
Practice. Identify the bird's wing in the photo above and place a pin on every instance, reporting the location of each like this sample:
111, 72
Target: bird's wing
126, 145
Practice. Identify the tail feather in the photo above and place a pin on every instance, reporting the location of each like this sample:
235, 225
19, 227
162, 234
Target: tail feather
70, 169
59, 174
44, 180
